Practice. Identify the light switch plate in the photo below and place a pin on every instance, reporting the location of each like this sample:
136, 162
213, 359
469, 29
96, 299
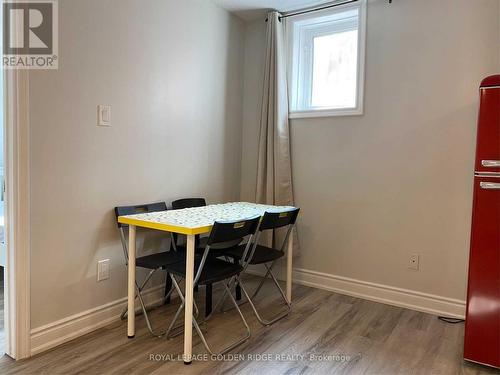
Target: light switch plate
103, 115
103, 269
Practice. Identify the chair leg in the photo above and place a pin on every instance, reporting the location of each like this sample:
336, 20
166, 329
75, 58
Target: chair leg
168, 288
181, 307
208, 300
262, 281
221, 302
124, 313
238, 292
259, 287
138, 290
146, 316
171, 326
197, 326
278, 316
235, 343
279, 288
141, 287
179, 310
144, 309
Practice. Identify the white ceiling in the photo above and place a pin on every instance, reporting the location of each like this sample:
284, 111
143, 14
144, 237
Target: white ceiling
253, 9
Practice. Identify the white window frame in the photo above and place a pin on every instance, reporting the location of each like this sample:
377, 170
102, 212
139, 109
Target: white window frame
294, 62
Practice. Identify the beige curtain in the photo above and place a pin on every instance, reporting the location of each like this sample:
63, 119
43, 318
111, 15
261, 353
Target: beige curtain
274, 172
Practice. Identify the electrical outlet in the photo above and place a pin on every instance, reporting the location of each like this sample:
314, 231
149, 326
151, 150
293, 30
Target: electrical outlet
414, 262
103, 270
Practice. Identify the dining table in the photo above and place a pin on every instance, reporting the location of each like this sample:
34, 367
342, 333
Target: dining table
192, 222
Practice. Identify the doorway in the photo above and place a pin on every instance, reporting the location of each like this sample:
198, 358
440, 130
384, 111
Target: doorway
15, 191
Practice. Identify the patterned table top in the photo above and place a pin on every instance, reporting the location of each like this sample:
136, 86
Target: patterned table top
198, 220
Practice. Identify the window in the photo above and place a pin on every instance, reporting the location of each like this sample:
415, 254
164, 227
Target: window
326, 71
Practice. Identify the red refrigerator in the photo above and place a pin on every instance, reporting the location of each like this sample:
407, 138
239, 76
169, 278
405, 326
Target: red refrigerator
482, 324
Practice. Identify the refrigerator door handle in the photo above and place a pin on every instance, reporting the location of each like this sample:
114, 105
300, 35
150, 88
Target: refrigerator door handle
490, 163
490, 185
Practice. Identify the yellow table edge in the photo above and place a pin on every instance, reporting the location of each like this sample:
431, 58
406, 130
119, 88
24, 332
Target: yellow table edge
163, 227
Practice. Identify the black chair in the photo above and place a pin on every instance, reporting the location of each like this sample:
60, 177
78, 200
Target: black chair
179, 241
267, 256
200, 242
153, 262
188, 202
210, 270
179, 244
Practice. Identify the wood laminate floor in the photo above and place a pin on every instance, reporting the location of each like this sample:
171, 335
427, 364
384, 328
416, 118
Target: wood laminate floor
326, 333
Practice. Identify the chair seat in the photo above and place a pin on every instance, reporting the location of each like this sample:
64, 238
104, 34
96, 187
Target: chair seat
263, 254
158, 260
214, 270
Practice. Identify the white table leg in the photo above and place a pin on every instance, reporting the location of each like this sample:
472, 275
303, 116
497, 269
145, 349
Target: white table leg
289, 268
188, 309
131, 282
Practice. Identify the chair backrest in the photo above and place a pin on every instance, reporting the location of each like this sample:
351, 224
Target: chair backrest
232, 230
227, 231
188, 202
270, 221
132, 210
275, 220
138, 209
179, 204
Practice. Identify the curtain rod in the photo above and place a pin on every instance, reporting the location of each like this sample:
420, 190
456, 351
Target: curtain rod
291, 14
297, 13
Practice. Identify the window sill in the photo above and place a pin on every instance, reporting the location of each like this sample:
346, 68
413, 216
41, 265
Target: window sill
325, 113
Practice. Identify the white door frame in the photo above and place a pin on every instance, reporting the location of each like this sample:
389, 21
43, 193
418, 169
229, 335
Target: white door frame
17, 213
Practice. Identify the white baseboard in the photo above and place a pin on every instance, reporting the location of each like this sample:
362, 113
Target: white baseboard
69, 328
410, 299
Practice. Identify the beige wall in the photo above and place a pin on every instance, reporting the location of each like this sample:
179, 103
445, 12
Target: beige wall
373, 188
171, 70
398, 180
